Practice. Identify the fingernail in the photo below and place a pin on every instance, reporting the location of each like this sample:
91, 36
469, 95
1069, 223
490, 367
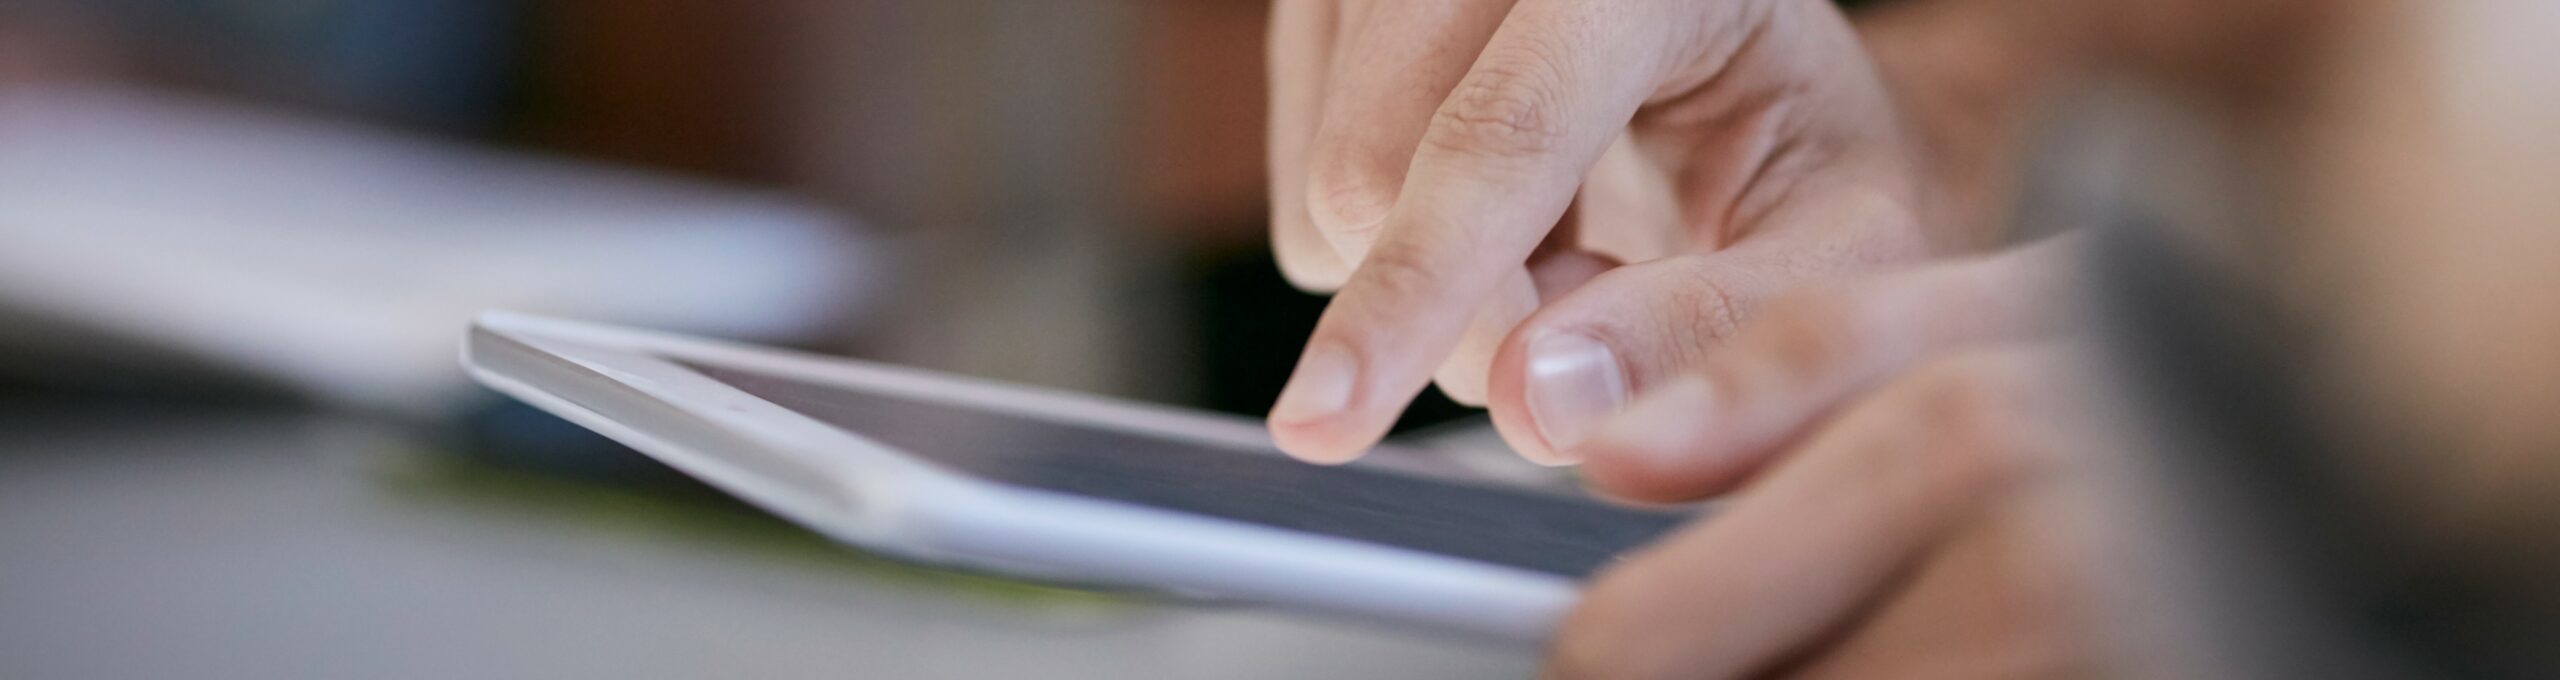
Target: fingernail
1574, 386
1320, 387
1666, 426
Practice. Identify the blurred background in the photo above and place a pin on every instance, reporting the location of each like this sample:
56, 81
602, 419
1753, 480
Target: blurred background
239, 240
1061, 193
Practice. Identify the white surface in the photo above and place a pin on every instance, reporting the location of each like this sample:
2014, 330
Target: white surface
243, 547
341, 261
623, 384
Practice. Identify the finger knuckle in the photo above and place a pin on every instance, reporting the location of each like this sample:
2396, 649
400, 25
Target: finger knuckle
1705, 309
1346, 191
1509, 106
1811, 335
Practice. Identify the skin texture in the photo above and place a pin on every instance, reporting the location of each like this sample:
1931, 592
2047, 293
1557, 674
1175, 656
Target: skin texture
1473, 176
1892, 451
1893, 441
1814, 350
1702, 187
1889, 449
1485, 174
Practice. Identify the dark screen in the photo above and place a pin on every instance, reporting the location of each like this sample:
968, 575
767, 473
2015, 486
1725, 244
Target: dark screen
1552, 534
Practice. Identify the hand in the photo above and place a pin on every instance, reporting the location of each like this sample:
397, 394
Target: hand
1906, 531
1911, 536
1426, 156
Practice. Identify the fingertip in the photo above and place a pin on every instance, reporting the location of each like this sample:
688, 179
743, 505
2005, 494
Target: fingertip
1506, 397
1601, 345
1317, 416
1319, 442
1575, 385
1332, 438
1549, 457
1466, 376
1316, 274
1306, 261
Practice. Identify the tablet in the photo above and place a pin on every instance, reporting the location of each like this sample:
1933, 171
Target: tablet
1049, 485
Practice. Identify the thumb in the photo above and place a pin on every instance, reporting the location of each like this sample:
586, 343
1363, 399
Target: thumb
1675, 331
1580, 359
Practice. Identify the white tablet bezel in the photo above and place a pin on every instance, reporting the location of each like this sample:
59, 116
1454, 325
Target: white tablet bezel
627, 385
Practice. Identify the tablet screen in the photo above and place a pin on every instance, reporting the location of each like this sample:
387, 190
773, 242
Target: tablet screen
1553, 534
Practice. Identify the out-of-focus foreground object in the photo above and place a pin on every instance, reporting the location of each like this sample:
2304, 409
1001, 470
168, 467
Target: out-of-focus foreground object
142, 232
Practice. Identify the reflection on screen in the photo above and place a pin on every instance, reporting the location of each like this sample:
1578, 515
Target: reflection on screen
1551, 534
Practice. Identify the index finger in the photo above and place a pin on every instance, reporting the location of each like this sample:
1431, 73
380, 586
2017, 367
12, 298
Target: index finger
1501, 160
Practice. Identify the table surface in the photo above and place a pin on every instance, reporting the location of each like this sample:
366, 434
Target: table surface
270, 544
